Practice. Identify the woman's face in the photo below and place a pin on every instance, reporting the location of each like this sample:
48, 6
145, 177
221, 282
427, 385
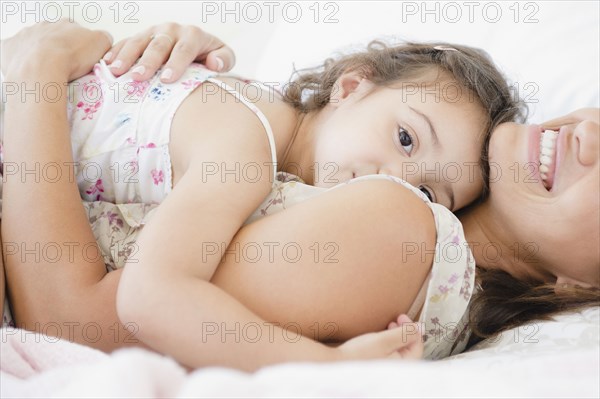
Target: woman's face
551, 203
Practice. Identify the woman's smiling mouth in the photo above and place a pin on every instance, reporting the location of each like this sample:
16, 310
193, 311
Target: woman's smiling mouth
548, 157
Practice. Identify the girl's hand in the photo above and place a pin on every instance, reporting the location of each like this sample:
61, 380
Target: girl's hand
62, 47
402, 340
179, 44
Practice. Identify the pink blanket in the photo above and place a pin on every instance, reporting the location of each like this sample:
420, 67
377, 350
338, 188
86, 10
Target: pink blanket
34, 365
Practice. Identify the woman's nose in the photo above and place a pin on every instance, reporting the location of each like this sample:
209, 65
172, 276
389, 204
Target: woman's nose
587, 140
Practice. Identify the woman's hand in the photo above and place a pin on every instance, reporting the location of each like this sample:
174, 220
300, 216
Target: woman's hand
178, 45
402, 340
62, 47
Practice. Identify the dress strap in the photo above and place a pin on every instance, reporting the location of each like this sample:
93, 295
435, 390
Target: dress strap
263, 119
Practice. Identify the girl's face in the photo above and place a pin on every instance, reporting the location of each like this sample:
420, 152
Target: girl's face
428, 134
555, 210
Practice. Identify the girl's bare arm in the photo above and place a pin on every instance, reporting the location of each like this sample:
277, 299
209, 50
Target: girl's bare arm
75, 284
341, 264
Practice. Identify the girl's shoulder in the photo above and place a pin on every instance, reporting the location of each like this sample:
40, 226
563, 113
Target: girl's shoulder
229, 102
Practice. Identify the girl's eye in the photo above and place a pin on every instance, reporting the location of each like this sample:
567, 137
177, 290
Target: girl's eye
427, 192
405, 140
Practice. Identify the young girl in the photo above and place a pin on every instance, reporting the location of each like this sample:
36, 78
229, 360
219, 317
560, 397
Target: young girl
419, 112
423, 102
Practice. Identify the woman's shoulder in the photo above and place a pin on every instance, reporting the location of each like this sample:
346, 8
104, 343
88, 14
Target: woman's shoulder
450, 285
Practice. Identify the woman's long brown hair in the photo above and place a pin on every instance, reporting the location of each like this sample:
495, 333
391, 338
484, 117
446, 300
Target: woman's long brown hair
503, 302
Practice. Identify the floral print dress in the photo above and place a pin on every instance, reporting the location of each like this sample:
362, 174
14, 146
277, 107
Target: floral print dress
123, 171
120, 132
448, 288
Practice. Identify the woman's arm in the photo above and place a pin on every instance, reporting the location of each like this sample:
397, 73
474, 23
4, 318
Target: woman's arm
53, 292
53, 260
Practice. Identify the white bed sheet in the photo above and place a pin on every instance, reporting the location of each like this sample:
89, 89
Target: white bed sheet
548, 360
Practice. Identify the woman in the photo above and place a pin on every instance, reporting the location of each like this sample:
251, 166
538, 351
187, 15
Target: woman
546, 250
354, 198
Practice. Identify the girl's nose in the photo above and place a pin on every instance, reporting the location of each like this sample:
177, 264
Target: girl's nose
587, 141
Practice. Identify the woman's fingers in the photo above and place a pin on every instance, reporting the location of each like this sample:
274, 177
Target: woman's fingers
221, 59
172, 43
126, 53
108, 36
189, 48
155, 55
73, 49
111, 54
197, 45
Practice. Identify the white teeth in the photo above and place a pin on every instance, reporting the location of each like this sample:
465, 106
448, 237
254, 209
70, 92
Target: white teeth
549, 142
547, 151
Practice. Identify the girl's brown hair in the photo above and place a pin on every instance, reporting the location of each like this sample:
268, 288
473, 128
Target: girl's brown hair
503, 302
310, 89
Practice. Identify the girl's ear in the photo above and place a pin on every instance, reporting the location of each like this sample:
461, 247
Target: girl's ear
348, 86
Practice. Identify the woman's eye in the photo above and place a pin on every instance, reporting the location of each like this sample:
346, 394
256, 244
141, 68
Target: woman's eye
428, 193
406, 140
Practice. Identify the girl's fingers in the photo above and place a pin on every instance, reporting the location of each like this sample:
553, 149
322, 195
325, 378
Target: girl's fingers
411, 346
401, 337
399, 321
403, 319
413, 350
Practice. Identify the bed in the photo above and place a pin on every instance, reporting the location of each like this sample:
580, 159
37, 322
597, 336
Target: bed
551, 359
558, 358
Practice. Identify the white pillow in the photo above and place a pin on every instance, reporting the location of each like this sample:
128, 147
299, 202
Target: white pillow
554, 62
568, 332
